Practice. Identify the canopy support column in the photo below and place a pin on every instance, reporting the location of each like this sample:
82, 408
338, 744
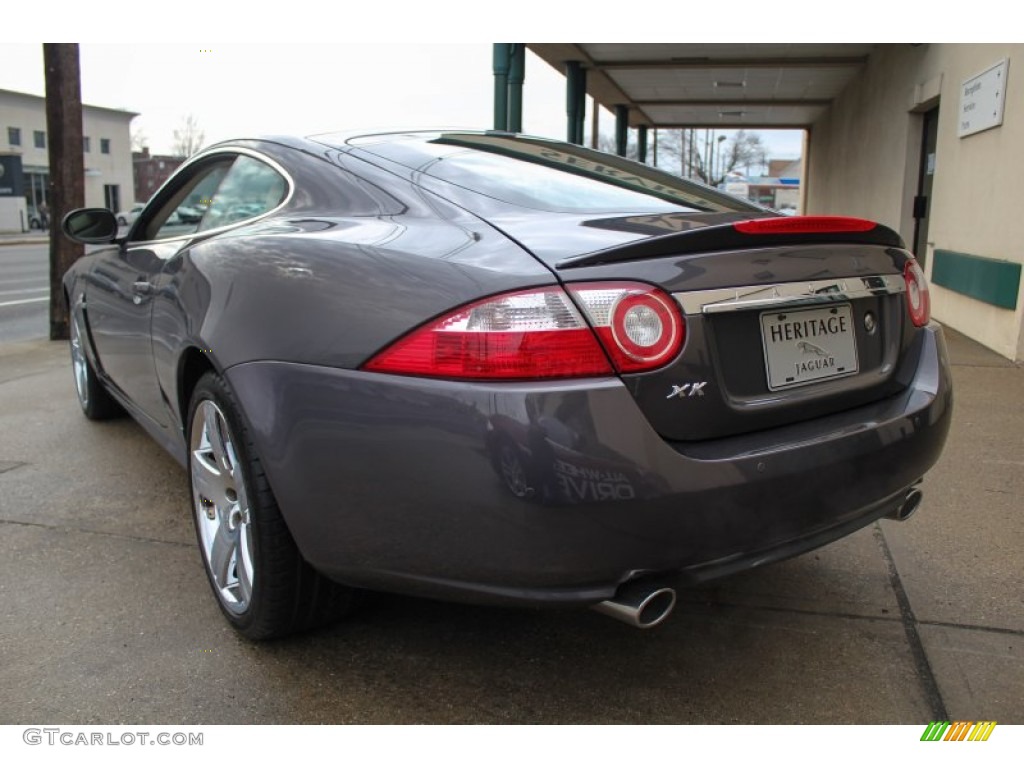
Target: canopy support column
575, 100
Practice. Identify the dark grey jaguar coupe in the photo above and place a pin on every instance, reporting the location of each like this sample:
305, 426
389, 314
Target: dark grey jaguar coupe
487, 367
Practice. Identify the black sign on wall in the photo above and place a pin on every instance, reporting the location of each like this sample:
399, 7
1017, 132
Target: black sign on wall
12, 180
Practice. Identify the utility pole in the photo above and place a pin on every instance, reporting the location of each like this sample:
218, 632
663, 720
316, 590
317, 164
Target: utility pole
67, 168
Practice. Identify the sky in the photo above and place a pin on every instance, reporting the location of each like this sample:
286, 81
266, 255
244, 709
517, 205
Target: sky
237, 90
321, 65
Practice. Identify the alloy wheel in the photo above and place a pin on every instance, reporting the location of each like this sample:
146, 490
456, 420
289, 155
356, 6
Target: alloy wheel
79, 365
221, 505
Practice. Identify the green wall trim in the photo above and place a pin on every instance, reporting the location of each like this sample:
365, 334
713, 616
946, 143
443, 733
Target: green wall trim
989, 280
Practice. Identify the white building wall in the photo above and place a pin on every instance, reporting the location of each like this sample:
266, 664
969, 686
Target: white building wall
114, 168
28, 112
864, 155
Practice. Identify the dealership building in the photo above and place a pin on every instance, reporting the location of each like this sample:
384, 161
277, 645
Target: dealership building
24, 158
927, 139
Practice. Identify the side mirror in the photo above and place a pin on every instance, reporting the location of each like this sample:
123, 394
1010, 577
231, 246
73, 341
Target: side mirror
91, 226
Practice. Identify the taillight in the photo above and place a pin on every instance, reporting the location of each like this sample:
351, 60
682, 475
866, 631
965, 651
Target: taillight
918, 302
533, 334
786, 225
639, 325
540, 334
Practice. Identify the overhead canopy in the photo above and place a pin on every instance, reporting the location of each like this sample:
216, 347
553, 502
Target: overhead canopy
734, 85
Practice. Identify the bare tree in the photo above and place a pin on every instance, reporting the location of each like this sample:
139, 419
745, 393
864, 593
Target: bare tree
606, 143
139, 140
697, 154
741, 151
189, 138
694, 153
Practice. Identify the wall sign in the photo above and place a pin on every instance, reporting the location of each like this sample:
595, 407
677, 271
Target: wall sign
981, 100
11, 177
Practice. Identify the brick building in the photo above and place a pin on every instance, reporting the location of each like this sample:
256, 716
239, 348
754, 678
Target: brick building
151, 171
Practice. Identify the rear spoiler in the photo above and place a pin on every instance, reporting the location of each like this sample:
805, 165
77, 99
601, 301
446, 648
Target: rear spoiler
753, 233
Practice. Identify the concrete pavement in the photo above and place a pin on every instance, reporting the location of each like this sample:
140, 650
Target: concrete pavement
105, 615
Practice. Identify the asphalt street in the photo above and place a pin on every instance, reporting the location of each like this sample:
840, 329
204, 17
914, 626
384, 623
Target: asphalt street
24, 292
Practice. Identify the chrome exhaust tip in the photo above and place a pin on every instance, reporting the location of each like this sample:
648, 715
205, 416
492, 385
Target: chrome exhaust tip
908, 507
640, 605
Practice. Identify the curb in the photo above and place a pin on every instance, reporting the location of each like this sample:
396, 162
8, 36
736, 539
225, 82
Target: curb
23, 241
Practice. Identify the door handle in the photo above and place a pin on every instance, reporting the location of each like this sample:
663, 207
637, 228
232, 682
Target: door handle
141, 288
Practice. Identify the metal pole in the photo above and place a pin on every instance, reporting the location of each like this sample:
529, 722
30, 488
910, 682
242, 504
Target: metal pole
641, 144
595, 126
691, 148
501, 67
714, 146
694, 152
516, 78
721, 156
707, 155
621, 129
654, 148
575, 100
581, 105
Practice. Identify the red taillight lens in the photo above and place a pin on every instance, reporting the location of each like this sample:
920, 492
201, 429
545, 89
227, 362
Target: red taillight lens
786, 225
918, 301
535, 334
540, 334
639, 325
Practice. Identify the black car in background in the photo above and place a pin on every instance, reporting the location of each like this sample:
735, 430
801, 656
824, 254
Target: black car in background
487, 367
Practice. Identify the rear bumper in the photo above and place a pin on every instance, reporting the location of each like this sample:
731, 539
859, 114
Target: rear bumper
557, 493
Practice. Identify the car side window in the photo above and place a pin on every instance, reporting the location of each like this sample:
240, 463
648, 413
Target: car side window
250, 188
181, 213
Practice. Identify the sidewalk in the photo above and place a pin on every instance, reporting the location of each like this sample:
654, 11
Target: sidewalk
106, 616
24, 238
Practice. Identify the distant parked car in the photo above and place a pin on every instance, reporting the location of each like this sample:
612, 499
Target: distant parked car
189, 215
128, 217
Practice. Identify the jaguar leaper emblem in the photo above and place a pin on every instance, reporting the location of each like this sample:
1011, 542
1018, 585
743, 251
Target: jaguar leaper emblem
812, 349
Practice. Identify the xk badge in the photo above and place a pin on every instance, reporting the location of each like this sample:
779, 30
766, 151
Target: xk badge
687, 390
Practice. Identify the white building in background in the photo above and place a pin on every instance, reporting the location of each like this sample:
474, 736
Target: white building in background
24, 158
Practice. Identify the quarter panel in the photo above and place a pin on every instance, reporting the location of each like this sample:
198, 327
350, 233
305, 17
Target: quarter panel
397, 482
332, 291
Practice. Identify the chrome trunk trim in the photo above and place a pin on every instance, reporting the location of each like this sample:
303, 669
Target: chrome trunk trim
746, 297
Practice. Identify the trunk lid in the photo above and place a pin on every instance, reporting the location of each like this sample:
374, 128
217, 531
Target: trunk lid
787, 318
779, 327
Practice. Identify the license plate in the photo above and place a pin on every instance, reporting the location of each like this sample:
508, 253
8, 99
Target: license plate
808, 345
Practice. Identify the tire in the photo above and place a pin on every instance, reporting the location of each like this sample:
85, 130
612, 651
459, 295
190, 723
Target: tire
96, 402
262, 584
511, 465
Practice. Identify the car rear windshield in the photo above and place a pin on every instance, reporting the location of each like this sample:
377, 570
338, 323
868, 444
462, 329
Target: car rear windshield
545, 175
